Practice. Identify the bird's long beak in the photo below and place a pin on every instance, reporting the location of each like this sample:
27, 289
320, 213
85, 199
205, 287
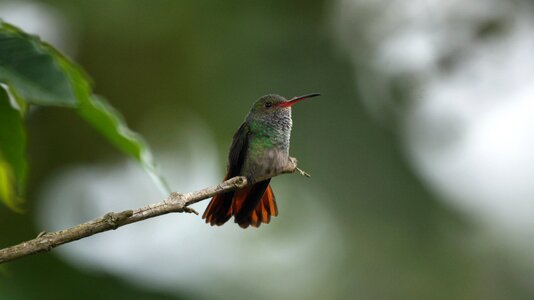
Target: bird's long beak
294, 100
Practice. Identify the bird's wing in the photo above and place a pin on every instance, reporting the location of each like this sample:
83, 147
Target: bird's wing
219, 209
238, 151
251, 205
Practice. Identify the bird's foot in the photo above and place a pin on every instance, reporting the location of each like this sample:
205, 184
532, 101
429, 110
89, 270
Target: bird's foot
292, 163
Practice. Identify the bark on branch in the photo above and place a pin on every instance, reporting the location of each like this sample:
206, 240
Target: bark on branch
175, 202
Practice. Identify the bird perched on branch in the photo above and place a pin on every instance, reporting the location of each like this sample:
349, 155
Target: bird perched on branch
260, 148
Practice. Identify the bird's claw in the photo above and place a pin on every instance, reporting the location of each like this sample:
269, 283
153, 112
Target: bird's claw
293, 162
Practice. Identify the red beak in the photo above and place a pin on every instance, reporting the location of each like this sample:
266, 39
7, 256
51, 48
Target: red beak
294, 100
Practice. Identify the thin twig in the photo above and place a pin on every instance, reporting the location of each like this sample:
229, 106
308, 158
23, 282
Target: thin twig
176, 202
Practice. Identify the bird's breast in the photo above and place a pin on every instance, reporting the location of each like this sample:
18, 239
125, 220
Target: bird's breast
265, 158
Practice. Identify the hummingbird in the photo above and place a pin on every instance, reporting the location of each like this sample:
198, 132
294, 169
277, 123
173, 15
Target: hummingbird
260, 149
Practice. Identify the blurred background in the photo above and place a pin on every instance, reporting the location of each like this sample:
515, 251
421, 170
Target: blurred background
419, 150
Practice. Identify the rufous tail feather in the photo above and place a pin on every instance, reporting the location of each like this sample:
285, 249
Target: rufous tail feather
250, 206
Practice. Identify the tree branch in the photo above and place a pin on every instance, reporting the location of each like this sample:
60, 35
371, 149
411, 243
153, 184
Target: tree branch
175, 202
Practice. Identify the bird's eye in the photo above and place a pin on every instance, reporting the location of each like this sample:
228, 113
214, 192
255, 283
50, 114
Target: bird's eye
268, 104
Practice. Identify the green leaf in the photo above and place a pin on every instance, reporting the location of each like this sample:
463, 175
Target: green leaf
28, 66
37, 73
13, 166
109, 122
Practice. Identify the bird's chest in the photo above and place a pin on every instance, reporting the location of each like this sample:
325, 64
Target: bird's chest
267, 156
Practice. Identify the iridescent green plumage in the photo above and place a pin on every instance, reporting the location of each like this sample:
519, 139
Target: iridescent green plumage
260, 148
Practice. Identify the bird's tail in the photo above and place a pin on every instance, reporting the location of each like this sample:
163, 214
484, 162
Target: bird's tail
251, 205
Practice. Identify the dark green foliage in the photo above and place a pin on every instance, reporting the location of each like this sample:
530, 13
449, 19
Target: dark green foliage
33, 72
30, 67
12, 159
